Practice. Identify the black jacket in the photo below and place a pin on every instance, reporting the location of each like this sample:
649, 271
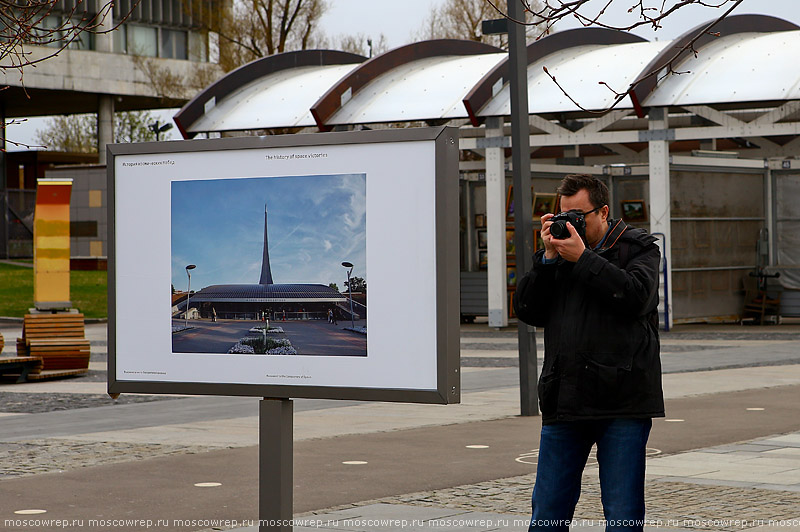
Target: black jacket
600, 319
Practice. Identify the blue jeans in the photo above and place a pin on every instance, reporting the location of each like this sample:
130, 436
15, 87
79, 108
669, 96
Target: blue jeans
564, 448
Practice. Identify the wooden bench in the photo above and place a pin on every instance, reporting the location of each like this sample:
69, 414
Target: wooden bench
58, 340
2, 344
19, 368
61, 353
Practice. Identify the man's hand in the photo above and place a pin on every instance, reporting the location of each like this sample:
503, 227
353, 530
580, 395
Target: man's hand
570, 248
550, 251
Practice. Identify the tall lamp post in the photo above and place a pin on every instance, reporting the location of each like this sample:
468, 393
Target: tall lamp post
188, 294
350, 291
521, 166
158, 128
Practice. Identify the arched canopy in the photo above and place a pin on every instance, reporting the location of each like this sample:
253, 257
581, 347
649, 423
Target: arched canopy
744, 67
679, 51
488, 86
274, 91
371, 92
578, 70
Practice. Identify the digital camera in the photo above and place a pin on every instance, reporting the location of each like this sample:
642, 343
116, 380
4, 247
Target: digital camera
559, 228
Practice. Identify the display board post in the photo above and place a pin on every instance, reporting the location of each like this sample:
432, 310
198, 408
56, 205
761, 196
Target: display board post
275, 471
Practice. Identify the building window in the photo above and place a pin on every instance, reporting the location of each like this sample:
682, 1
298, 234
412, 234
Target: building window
121, 39
198, 46
152, 41
47, 31
54, 31
83, 229
84, 40
173, 44
142, 40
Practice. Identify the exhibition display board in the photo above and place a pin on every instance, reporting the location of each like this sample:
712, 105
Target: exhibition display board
215, 213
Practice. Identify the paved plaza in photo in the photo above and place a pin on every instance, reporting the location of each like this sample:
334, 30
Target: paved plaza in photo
308, 337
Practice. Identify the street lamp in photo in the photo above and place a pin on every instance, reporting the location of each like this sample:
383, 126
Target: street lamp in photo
350, 291
188, 294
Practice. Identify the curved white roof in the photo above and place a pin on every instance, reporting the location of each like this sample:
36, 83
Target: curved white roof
430, 88
745, 67
414, 83
579, 70
280, 99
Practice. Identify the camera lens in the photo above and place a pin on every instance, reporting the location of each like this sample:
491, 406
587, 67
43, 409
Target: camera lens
559, 230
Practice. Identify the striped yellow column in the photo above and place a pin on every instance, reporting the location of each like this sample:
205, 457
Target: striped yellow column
51, 244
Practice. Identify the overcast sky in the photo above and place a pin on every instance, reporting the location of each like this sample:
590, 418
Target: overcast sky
398, 20
315, 223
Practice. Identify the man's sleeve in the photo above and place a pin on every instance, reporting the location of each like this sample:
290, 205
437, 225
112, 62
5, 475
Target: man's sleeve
633, 289
534, 290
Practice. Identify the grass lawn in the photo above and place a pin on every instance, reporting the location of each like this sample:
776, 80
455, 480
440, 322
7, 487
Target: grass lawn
88, 291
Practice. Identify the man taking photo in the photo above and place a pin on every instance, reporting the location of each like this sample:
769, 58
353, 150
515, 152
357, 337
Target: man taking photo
594, 290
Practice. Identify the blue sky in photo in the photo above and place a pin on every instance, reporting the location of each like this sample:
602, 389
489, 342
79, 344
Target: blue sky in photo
315, 223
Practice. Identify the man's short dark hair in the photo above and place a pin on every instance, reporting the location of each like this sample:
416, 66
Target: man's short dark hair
573, 183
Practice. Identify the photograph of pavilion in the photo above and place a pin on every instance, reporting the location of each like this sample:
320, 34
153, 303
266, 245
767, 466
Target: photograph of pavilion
302, 252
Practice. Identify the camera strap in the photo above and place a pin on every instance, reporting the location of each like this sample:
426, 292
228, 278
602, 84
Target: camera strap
613, 235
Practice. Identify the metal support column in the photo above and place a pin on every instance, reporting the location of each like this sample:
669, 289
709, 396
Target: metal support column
105, 124
3, 186
469, 213
496, 226
769, 213
523, 208
275, 468
660, 219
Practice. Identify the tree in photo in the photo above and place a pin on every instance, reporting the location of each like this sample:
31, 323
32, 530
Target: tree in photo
356, 284
78, 133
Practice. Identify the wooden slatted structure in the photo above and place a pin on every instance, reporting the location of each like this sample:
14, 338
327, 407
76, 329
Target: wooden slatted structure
20, 368
58, 340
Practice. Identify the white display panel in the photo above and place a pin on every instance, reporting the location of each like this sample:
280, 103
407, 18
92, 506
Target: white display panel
407, 266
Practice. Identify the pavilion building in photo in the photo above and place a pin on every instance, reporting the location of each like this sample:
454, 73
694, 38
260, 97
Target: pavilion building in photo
292, 301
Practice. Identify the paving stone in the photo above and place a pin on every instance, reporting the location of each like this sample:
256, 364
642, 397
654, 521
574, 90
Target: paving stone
35, 403
691, 505
24, 458
780, 487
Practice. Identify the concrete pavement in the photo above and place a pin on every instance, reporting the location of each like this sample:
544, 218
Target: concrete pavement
143, 460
